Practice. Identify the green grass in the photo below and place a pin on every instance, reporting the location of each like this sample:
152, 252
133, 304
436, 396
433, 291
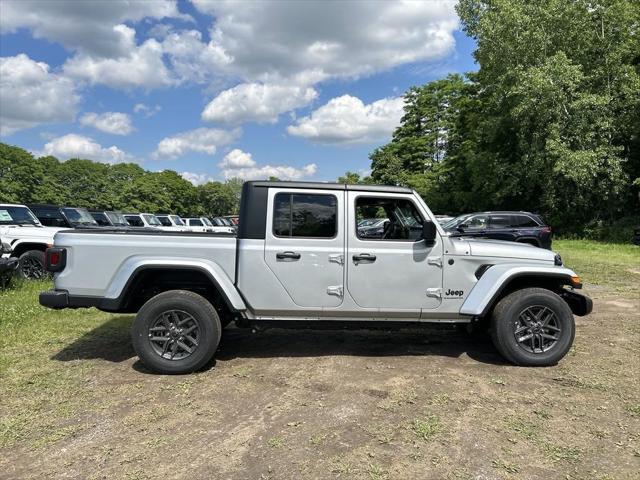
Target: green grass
41, 385
611, 265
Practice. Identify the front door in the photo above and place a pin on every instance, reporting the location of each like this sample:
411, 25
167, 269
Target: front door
395, 270
305, 245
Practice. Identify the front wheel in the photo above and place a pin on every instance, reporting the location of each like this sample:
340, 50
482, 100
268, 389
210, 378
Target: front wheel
532, 327
176, 332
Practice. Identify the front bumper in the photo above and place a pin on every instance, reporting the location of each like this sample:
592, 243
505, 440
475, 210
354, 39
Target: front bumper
580, 305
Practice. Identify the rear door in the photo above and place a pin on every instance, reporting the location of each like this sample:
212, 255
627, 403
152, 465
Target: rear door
500, 227
304, 244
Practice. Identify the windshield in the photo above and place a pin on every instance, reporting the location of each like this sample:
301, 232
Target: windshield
116, 218
17, 216
207, 222
78, 216
152, 220
455, 222
177, 220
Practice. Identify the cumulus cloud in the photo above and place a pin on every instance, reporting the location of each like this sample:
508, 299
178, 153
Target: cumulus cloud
239, 164
30, 94
146, 110
196, 178
78, 146
142, 66
257, 102
85, 26
282, 39
202, 140
115, 123
346, 119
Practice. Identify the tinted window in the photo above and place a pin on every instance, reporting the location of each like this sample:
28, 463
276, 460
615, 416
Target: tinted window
177, 220
195, 223
477, 222
50, 217
500, 221
134, 220
16, 216
164, 221
396, 219
303, 215
523, 221
101, 218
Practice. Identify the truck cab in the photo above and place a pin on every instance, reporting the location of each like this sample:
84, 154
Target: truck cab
299, 259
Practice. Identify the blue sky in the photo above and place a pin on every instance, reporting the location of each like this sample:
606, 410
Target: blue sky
214, 90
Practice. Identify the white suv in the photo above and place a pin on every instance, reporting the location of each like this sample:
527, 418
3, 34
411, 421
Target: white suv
28, 239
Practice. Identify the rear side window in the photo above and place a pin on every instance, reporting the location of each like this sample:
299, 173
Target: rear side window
500, 221
305, 215
195, 223
164, 221
50, 217
134, 220
102, 219
523, 221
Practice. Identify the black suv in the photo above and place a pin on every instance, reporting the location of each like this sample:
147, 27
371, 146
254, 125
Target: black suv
65, 217
521, 227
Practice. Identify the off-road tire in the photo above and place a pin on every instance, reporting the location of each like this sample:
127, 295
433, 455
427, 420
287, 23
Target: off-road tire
191, 304
31, 265
505, 321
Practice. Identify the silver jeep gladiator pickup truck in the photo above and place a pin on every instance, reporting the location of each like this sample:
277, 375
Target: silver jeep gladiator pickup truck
299, 260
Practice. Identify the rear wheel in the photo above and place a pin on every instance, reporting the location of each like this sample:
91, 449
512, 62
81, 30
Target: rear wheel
176, 332
532, 327
31, 265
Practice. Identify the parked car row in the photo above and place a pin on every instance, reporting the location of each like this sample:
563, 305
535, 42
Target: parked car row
28, 230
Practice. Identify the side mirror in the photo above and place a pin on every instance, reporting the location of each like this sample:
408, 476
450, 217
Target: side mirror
429, 233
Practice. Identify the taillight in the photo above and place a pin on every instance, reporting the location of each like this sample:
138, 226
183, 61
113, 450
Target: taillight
546, 229
55, 259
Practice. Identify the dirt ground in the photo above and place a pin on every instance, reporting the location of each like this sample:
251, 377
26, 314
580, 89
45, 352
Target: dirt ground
349, 404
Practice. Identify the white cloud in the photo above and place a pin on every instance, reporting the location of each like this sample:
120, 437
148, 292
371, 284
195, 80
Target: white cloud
239, 164
257, 102
84, 26
346, 119
146, 110
30, 94
142, 66
196, 178
282, 39
203, 140
78, 146
115, 123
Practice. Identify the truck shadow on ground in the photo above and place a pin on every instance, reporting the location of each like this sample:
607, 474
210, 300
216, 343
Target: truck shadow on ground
111, 341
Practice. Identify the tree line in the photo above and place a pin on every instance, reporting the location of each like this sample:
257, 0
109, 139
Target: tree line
123, 186
549, 123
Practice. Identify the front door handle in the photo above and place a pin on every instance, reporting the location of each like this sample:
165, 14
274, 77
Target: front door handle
364, 257
291, 255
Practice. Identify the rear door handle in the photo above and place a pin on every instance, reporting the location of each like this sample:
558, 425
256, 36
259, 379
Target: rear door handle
364, 257
291, 255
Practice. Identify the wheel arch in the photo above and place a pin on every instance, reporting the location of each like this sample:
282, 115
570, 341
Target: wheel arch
135, 283
500, 280
20, 247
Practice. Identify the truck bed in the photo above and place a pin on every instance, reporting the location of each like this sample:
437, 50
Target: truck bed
96, 259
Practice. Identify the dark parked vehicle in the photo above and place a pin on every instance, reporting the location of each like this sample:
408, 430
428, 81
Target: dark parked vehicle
636, 235
523, 227
108, 218
8, 265
64, 217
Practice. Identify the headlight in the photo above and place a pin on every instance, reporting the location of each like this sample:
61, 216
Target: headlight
557, 260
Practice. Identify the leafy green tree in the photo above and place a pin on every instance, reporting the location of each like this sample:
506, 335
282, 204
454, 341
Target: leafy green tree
217, 199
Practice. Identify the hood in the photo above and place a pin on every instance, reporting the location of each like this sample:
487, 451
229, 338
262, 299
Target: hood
484, 247
28, 232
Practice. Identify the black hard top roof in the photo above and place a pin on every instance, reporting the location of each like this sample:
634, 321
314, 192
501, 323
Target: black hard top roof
330, 186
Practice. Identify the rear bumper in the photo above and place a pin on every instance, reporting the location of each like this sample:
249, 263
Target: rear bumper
58, 299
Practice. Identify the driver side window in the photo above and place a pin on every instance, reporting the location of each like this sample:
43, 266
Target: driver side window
478, 222
387, 219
